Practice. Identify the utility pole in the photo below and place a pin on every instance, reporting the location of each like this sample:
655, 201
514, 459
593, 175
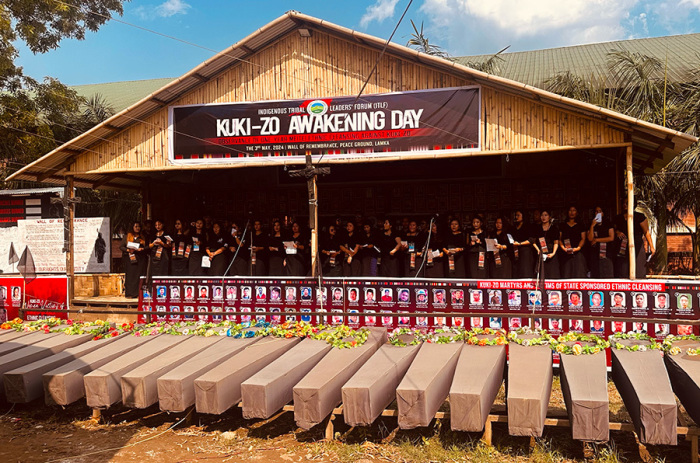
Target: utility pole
310, 173
69, 201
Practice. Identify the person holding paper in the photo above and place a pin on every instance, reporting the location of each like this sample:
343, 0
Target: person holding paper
500, 262
434, 258
523, 253
199, 246
454, 246
238, 248
412, 243
573, 237
159, 249
641, 232
216, 250
546, 243
476, 246
276, 250
352, 267
601, 235
389, 245
368, 252
181, 249
296, 253
134, 259
331, 255
258, 250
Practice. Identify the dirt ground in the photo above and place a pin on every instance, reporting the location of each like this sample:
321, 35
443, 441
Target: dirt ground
38, 433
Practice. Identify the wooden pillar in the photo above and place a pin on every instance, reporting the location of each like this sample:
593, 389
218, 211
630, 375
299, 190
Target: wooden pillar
618, 186
631, 249
313, 213
69, 233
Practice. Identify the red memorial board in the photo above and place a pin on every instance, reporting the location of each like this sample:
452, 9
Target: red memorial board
40, 295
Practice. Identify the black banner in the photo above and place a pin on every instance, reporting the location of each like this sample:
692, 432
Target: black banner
345, 127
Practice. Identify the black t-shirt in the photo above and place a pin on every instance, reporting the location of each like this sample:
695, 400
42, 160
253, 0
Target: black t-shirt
602, 230
386, 243
217, 242
199, 240
571, 233
414, 242
550, 236
473, 245
276, 242
621, 225
455, 240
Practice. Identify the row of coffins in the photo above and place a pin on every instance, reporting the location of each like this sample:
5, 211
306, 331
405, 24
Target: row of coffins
263, 368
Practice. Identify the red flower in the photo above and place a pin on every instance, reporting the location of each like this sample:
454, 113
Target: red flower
96, 338
115, 333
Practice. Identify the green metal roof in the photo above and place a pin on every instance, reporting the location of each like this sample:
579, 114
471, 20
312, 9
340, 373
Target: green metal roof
121, 95
535, 67
528, 67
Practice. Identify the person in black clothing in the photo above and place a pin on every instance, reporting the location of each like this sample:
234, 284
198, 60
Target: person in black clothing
573, 237
134, 260
368, 253
545, 240
454, 245
352, 266
601, 235
181, 249
389, 245
500, 260
258, 250
476, 250
216, 250
434, 266
199, 245
276, 250
238, 248
641, 231
331, 255
296, 263
159, 248
412, 250
523, 253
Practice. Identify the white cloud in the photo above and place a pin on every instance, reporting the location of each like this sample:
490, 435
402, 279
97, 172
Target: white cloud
692, 3
477, 26
383, 9
164, 10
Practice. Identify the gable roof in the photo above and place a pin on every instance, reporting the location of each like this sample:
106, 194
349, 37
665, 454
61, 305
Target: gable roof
654, 140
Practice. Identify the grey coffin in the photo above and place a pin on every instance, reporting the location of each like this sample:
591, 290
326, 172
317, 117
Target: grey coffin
24, 384
319, 392
220, 388
426, 384
103, 384
373, 387
176, 388
642, 381
140, 387
24, 341
477, 379
684, 372
584, 384
64, 385
529, 388
270, 389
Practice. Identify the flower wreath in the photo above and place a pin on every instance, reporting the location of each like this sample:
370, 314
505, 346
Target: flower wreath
395, 337
445, 335
344, 337
15, 324
653, 343
559, 344
292, 330
499, 339
675, 350
243, 330
543, 338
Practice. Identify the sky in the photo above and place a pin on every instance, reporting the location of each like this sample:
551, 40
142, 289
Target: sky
119, 51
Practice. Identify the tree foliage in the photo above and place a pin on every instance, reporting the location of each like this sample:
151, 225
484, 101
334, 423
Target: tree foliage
420, 42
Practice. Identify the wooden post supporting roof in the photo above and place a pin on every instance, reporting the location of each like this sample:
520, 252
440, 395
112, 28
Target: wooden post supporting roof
631, 247
68, 224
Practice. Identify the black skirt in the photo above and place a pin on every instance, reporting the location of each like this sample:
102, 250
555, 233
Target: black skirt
180, 267
524, 265
195, 266
573, 265
132, 274
476, 272
460, 270
389, 267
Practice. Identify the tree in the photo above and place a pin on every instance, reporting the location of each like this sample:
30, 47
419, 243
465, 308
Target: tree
421, 43
492, 65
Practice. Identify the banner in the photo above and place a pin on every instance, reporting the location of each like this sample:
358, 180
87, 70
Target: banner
45, 239
41, 295
464, 303
441, 120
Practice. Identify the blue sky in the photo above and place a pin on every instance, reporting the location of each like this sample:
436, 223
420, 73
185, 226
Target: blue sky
462, 27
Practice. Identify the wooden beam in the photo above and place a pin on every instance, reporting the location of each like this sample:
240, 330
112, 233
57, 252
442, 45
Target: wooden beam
112, 127
200, 77
105, 180
665, 142
54, 170
159, 101
653, 156
631, 248
69, 216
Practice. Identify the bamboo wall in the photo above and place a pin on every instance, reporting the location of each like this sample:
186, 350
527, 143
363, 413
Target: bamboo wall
323, 65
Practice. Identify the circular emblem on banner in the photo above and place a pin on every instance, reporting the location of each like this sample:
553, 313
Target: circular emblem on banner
317, 108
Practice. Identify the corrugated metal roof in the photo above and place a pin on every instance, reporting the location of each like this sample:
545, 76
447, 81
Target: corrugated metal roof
121, 95
535, 67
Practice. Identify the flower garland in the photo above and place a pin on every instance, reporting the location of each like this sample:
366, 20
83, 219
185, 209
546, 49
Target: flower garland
344, 337
653, 343
675, 350
543, 338
560, 345
395, 337
244, 330
294, 330
445, 335
14, 324
499, 338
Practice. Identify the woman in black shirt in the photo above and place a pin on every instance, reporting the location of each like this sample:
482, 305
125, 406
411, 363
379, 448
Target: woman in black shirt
181, 249
238, 248
476, 250
296, 263
351, 263
573, 237
134, 260
389, 245
216, 250
276, 250
453, 247
199, 245
159, 250
523, 253
601, 235
368, 253
500, 262
641, 231
412, 250
434, 266
258, 250
331, 256
545, 240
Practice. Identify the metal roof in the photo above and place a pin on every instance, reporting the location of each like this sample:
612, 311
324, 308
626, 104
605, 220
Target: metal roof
535, 67
654, 145
121, 95
32, 191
